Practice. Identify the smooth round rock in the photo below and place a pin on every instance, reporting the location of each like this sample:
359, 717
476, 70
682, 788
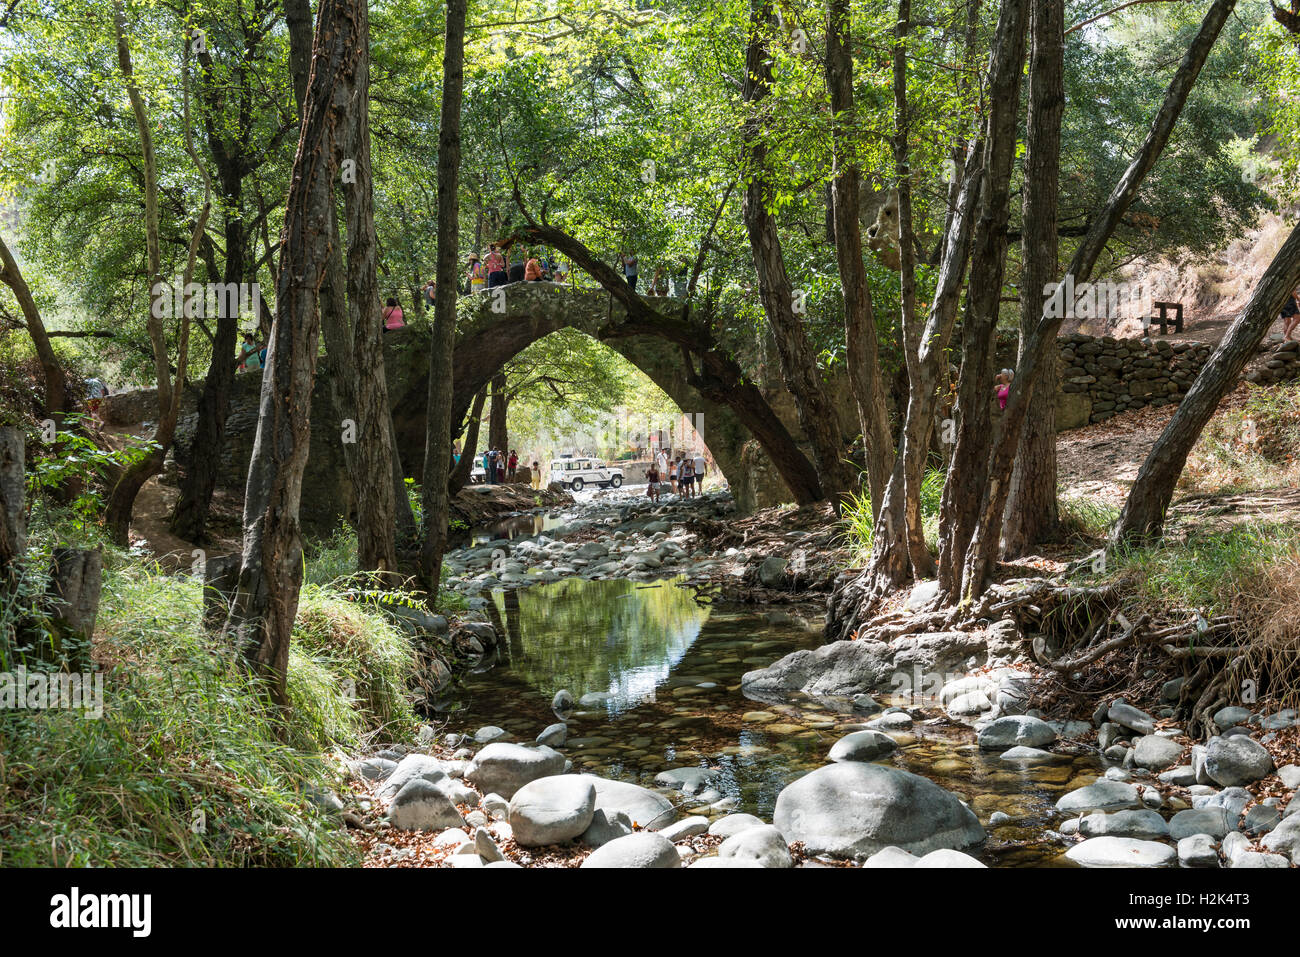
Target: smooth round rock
854, 809
645, 849
551, 809
862, 746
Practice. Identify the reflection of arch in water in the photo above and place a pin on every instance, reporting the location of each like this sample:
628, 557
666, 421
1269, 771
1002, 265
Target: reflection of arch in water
613, 636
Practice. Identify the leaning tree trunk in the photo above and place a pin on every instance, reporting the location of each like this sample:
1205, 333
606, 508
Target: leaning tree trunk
1031, 504
56, 383
373, 475
800, 372
266, 602
436, 501
1143, 515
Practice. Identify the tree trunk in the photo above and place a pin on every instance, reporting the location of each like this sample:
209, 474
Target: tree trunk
800, 372
962, 491
13, 511
72, 602
189, 517
266, 601
1031, 504
372, 478
1143, 515
862, 351
460, 474
983, 550
436, 501
498, 436
56, 383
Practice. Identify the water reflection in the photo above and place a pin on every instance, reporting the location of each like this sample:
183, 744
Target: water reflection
613, 637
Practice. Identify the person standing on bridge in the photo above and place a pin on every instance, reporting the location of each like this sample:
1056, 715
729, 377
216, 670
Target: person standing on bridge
629, 268
517, 267
496, 268
475, 277
533, 270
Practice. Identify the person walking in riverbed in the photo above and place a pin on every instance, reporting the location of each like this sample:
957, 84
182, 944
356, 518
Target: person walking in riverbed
652, 482
672, 473
687, 476
512, 465
701, 466
537, 475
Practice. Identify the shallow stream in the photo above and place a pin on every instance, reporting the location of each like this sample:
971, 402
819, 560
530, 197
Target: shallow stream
662, 673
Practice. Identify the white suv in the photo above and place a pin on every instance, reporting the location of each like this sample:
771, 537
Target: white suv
576, 473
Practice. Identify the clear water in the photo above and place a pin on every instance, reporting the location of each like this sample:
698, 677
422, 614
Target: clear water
670, 671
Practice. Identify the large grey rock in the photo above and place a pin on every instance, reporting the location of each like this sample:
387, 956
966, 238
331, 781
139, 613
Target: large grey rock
644, 849
854, 809
1155, 753
1285, 838
1197, 851
422, 806
552, 809
1101, 795
505, 768
1289, 775
862, 746
763, 844
1231, 716
1236, 760
410, 768
860, 667
1121, 852
1208, 820
1134, 823
1130, 717
646, 809
1015, 731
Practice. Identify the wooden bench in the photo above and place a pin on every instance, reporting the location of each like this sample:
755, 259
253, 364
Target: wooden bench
1163, 319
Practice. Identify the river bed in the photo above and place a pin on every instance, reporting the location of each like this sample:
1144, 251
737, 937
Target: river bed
660, 676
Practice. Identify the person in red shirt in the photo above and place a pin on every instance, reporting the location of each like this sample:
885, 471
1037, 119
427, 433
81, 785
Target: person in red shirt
533, 270
512, 465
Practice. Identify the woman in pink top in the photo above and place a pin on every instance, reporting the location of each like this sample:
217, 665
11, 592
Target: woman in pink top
393, 316
1003, 388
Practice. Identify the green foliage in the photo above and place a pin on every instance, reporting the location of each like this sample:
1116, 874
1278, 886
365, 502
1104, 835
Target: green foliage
187, 765
858, 529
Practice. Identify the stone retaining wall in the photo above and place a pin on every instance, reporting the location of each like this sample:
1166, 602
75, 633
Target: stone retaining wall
1101, 376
